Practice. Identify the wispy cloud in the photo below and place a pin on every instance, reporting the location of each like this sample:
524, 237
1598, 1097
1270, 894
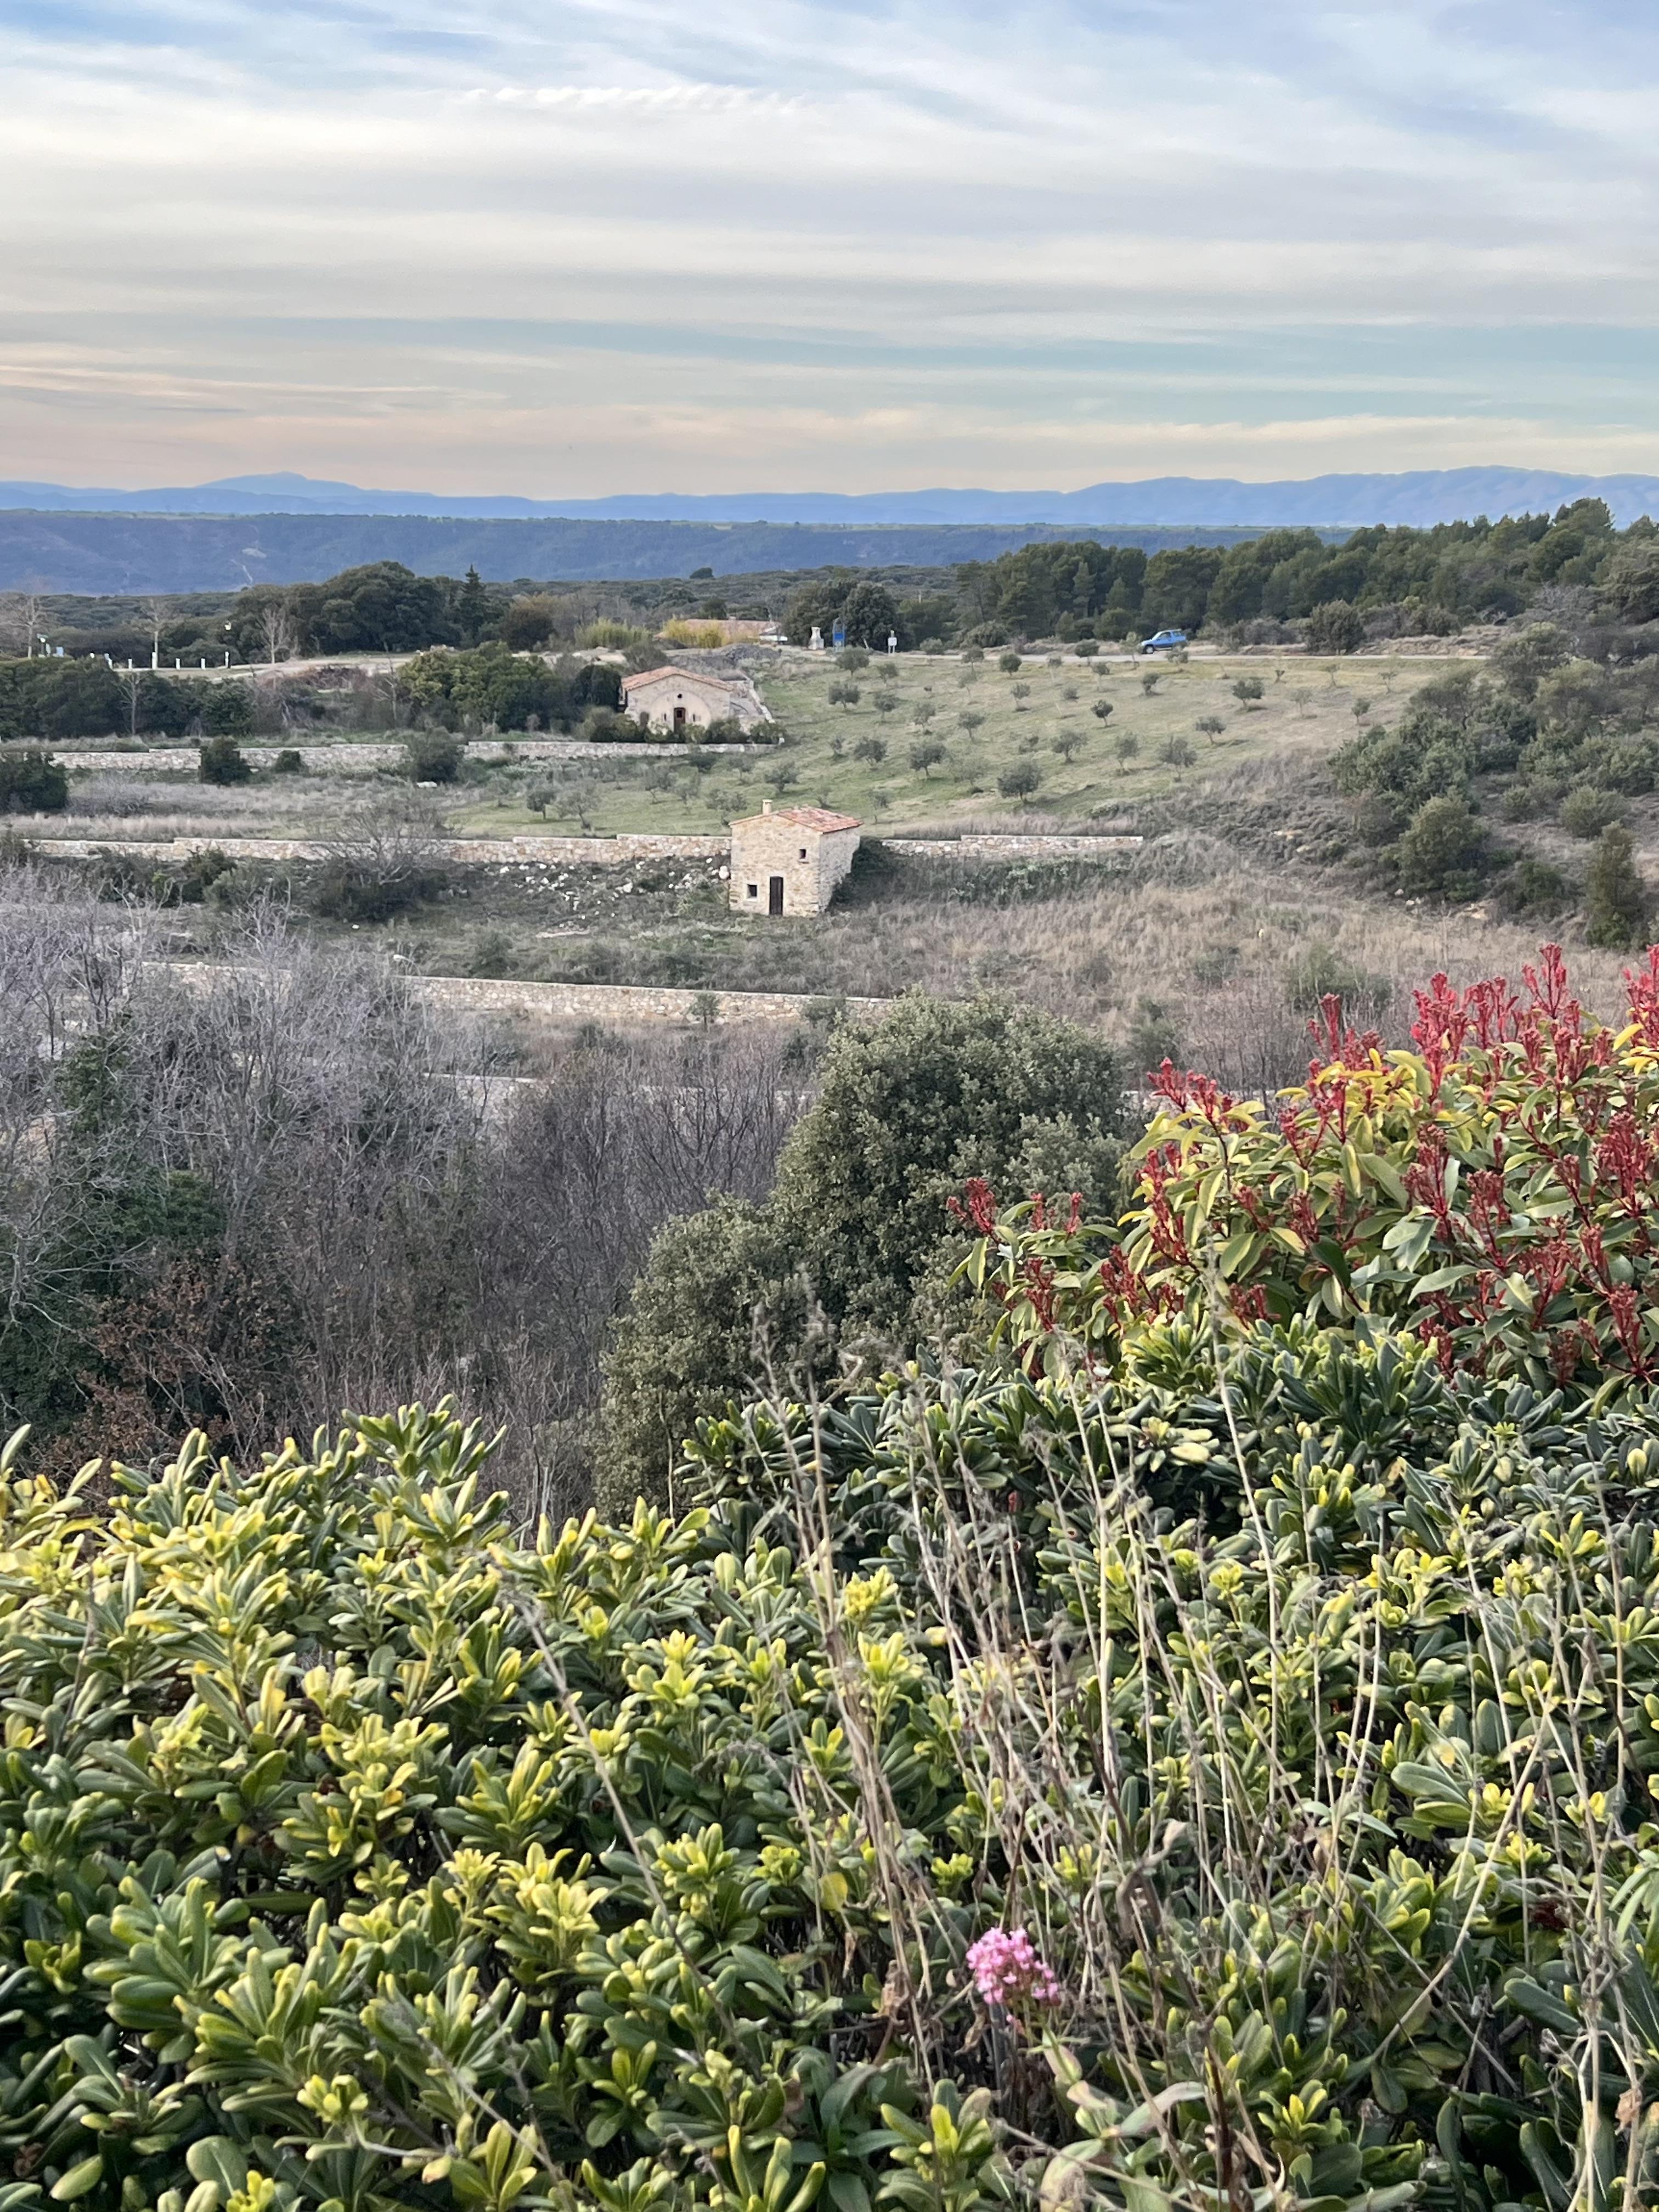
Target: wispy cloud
850, 245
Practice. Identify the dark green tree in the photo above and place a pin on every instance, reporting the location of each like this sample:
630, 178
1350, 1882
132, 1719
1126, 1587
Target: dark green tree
908, 1109
1443, 853
227, 709
31, 782
1616, 905
472, 608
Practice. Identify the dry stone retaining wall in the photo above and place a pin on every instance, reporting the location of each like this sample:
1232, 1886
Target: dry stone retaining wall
596, 852
1013, 847
621, 1002
582, 1002
172, 759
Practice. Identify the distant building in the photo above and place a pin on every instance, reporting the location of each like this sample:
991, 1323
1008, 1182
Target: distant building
790, 861
675, 700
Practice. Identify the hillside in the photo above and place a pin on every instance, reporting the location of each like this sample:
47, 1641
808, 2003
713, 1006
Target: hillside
116, 553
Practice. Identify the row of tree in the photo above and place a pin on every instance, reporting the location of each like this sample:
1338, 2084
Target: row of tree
1431, 579
54, 700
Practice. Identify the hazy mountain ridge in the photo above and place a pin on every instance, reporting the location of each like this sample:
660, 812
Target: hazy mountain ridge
1417, 496
138, 553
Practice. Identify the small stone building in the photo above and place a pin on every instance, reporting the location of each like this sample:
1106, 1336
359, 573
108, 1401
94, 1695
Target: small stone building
790, 861
675, 700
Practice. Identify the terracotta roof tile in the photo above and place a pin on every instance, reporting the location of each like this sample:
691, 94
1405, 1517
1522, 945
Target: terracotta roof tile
803, 818
683, 676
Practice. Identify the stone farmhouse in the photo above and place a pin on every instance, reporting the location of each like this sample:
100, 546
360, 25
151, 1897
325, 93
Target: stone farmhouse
790, 861
676, 700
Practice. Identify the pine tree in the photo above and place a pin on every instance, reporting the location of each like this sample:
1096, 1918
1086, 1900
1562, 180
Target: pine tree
471, 607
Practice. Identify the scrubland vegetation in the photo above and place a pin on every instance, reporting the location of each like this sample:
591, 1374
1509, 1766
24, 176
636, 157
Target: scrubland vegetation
956, 1614
1182, 1738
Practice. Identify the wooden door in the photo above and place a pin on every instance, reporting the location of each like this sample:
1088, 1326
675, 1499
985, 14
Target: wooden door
774, 896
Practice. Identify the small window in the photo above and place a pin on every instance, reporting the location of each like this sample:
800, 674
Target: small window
803, 852
754, 890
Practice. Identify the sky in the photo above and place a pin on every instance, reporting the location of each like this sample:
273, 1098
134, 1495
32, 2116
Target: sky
557, 248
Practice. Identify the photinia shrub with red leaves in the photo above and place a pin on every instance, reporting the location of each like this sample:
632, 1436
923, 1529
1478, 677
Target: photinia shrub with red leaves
1495, 1187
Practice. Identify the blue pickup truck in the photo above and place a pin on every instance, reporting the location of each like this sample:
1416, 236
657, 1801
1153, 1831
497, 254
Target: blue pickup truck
1167, 641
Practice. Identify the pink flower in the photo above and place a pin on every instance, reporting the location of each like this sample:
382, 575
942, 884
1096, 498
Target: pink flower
1009, 1972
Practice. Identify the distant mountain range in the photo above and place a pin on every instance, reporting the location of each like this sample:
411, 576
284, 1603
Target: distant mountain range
1417, 496
290, 529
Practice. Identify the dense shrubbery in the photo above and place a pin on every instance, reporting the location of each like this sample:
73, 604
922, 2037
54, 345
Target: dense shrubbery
31, 782
852, 1235
56, 700
493, 685
1200, 1756
1543, 733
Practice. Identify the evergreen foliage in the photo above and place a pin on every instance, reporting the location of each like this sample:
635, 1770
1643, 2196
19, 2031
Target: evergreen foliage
1200, 1754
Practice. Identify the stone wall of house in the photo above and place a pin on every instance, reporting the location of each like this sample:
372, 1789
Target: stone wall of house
770, 845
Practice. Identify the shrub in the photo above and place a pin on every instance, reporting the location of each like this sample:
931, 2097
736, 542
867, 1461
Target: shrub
1586, 812
1020, 780
1086, 648
906, 1108
288, 763
531, 620
31, 782
1177, 751
1534, 887
376, 868
1336, 627
973, 653
1248, 689
1176, 1759
227, 709
1616, 903
432, 757
1442, 854
608, 726
1010, 663
221, 760
872, 749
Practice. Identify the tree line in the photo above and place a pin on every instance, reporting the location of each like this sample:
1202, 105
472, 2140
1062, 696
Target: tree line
1381, 581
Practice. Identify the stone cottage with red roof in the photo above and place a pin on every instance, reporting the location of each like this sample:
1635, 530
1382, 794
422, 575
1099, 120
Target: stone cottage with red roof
789, 860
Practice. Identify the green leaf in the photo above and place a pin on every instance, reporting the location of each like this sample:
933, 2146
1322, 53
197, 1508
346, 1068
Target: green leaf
80, 2178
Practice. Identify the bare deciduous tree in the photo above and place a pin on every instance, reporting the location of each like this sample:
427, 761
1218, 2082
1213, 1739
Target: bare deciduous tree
276, 631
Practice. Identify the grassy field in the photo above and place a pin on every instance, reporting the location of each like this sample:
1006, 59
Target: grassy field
1170, 730
1090, 767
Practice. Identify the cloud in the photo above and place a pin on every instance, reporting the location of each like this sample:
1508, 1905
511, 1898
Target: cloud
645, 99
862, 244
